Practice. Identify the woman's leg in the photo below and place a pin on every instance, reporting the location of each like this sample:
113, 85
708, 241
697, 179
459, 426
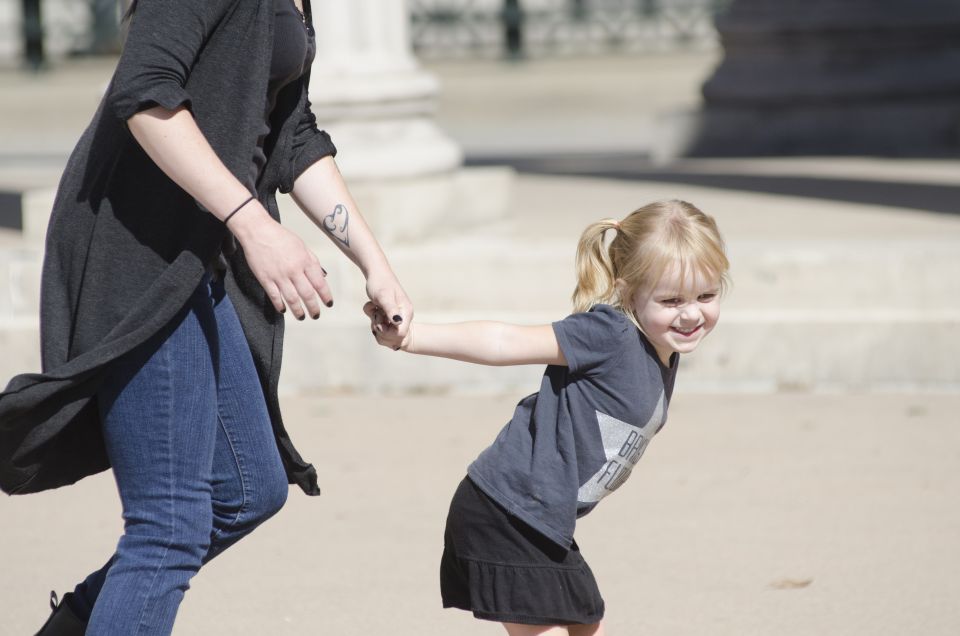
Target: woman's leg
249, 481
595, 629
516, 629
159, 424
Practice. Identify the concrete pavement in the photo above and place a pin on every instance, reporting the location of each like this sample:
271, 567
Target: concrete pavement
762, 515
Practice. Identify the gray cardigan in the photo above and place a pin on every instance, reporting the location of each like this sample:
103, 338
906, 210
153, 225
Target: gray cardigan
126, 246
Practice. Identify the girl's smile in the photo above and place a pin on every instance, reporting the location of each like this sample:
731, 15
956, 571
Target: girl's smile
677, 314
686, 333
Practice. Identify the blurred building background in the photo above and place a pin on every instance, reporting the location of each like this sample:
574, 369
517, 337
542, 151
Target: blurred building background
440, 28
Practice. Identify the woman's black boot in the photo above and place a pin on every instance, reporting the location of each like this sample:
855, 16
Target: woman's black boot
62, 621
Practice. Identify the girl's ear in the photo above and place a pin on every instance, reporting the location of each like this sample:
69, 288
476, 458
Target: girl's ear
621, 286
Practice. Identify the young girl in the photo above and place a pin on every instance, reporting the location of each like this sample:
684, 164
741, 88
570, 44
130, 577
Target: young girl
509, 552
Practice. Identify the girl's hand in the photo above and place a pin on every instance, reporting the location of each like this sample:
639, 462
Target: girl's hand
384, 329
288, 271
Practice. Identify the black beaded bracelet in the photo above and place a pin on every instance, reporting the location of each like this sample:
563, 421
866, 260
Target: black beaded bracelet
237, 209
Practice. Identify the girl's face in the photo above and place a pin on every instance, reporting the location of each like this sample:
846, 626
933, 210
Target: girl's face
676, 315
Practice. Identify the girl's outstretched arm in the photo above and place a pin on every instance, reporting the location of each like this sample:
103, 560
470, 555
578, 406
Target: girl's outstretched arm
480, 342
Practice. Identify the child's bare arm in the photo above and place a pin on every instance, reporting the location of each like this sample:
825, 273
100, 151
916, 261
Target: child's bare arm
480, 342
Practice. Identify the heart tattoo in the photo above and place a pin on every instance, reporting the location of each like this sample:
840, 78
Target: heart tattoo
336, 224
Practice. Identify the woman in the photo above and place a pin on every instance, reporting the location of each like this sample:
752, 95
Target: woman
165, 277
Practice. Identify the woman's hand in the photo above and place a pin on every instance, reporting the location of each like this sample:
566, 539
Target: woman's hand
387, 296
288, 271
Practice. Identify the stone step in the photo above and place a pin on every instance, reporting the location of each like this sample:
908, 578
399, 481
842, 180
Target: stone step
806, 311
20, 347
483, 273
501, 272
482, 257
749, 351
20, 266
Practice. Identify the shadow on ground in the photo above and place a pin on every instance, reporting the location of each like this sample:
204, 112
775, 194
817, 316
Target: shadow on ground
930, 197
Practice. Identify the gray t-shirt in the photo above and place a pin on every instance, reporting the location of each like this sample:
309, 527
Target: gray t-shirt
577, 440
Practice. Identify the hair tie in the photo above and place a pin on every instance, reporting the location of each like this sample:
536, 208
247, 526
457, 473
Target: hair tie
238, 208
616, 225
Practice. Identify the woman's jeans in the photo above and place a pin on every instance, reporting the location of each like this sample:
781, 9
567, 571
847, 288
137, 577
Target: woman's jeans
196, 464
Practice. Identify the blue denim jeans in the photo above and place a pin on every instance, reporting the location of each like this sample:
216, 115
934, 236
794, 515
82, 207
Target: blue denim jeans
191, 446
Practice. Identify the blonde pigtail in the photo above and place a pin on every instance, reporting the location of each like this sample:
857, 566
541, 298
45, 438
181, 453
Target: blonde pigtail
596, 279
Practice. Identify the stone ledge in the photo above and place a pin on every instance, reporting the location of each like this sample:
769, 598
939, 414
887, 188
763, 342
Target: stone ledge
749, 352
27, 210
20, 347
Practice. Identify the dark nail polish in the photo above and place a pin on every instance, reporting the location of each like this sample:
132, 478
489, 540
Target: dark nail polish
396, 348
330, 304
300, 318
316, 316
324, 271
397, 318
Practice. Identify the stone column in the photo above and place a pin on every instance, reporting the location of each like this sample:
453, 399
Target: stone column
105, 27
369, 92
834, 77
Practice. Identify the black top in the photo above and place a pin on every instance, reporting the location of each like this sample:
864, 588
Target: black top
294, 48
126, 246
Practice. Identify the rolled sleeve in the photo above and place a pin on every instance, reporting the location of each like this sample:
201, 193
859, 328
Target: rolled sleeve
165, 38
128, 103
309, 145
592, 339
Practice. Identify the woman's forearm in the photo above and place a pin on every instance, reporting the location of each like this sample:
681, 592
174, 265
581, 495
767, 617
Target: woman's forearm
323, 196
174, 142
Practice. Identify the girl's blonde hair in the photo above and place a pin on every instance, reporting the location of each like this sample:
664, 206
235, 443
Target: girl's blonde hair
648, 241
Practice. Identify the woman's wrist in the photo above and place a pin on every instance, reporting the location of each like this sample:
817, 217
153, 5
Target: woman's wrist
375, 267
379, 277
249, 220
236, 210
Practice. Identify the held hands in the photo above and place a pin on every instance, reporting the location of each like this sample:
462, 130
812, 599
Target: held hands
387, 332
390, 310
288, 271
386, 294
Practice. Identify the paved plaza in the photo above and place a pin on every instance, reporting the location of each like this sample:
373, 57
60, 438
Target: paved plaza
750, 515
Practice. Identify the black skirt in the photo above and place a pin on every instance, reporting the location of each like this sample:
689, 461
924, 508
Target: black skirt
501, 569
